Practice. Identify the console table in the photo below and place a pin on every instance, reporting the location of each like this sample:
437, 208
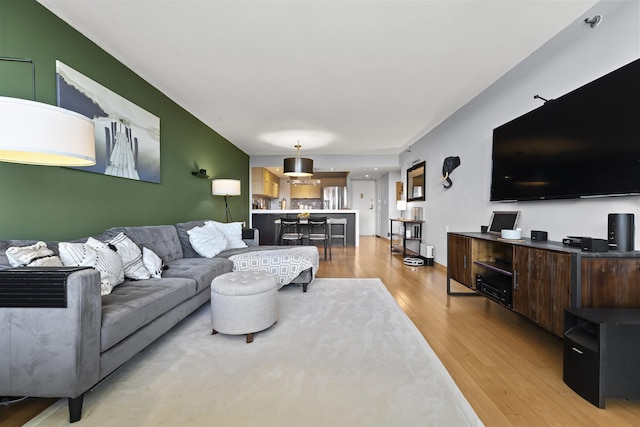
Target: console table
601, 354
409, 231
540, 279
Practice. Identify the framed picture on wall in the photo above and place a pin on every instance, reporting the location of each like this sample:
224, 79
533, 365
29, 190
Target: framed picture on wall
127, 136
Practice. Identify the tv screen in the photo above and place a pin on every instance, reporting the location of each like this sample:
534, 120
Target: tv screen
585, 143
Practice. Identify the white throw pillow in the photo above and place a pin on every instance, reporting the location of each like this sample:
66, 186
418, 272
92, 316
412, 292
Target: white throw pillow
232, 231
98, 256
131, 257
36, 255
208, 240
152, 262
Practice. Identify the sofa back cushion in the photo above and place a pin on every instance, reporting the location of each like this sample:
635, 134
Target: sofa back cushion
182, 228
161, 239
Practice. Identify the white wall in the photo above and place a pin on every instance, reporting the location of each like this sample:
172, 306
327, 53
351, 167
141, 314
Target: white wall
387, 202
577, 55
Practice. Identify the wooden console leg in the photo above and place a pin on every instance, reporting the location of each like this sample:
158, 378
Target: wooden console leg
75, 408
249, 338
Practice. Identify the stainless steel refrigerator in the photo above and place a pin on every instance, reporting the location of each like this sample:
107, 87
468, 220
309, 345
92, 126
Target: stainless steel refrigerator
335, 197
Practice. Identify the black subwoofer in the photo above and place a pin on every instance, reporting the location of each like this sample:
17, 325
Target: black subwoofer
621, 232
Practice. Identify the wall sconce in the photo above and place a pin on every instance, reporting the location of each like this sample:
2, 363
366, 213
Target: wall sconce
202, 173
226, 187
41, 134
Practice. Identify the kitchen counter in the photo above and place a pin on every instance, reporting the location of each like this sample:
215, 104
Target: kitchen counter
264, 220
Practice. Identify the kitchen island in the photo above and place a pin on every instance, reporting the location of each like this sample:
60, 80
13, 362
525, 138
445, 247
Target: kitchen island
265, 221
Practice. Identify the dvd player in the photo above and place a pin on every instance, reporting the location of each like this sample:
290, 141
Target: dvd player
587, 244
575, 241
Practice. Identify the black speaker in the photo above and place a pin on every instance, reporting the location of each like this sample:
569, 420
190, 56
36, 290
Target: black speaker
621, 232
539, 235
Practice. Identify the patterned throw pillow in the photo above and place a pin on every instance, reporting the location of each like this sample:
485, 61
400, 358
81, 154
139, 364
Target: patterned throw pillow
152, 262
208, 240
233, 233
36, 255
97, 255
131, 257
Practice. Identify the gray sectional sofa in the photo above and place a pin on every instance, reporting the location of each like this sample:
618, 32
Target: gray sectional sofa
63, 352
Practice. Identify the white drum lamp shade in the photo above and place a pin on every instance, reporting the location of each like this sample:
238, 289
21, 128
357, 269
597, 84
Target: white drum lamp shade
42, 134
225, 187
401, 205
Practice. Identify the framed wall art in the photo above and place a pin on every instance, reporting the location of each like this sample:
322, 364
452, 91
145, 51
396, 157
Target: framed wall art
127, 136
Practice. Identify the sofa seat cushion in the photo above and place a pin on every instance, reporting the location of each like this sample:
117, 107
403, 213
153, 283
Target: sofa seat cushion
202, 270
133, 304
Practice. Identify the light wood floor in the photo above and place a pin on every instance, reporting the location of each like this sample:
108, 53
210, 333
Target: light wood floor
509, 369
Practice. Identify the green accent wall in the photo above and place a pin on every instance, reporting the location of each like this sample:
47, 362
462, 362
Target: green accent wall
56, 203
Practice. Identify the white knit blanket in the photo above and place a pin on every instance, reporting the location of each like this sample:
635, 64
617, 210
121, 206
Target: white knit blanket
285, 264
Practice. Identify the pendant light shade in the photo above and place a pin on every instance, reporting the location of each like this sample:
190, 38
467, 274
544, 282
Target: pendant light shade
298, 166
42, 134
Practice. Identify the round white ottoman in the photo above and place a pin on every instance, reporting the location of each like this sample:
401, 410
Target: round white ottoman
243, 302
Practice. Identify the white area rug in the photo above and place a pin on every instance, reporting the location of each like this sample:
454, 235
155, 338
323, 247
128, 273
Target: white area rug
342, 354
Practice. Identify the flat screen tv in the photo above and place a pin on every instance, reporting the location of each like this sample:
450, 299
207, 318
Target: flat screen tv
583, 144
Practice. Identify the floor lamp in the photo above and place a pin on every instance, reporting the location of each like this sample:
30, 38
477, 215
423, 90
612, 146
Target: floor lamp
226, 187
41, 134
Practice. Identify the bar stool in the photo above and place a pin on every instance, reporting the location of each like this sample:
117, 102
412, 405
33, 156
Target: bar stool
339, 222
290, 231
319, 232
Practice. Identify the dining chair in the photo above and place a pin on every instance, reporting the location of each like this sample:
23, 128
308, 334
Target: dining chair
290, 231
319, 232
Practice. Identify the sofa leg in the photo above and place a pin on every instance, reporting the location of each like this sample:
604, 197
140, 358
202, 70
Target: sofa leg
213, 332
249, 338
304, 287
75, 408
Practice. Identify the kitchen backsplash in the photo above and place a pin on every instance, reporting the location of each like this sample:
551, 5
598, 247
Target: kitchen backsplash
306, 204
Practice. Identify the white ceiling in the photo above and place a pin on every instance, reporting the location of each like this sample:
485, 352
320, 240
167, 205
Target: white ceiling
342, 77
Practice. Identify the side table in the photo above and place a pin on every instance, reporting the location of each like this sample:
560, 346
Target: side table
601, 356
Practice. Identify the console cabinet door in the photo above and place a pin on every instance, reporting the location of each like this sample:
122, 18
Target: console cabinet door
459, 259
523, 293
610, 282
542, 286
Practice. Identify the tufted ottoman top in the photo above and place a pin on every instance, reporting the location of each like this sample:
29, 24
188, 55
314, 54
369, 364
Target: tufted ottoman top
244, 283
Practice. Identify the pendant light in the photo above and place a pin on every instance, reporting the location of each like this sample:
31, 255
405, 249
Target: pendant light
298, 166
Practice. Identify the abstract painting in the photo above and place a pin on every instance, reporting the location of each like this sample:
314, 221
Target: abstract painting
127, 136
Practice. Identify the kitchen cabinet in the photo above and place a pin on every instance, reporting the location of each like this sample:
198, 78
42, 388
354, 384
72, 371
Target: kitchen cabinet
264, 183
305, 191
